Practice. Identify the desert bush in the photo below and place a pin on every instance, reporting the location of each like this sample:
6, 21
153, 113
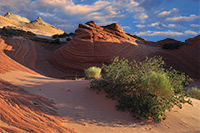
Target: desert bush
143, 88
55, 36
57, 41
68, 39
71, 34
172, 46
93, 72
9, 32
194, 92
60, 35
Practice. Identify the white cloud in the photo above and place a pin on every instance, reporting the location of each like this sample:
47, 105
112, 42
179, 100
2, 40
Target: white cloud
157, 25
189, 32
160, 25
102, 11
46, 14
166, 33
140, 26
173, 25
166, 13
195, 25
141, 16
126, 27
190, 18
128, 5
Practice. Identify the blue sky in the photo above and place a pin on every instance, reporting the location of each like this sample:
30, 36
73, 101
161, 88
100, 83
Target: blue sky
151, 19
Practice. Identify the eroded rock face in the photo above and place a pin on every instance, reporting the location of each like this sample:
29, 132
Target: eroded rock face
185, 59
94, 45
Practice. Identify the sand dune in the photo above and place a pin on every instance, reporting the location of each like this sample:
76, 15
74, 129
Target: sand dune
86, 111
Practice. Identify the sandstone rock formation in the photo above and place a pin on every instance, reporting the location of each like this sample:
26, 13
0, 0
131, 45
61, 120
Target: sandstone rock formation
38, 26
21, 111
7, 63
167, 40
16, 18
93, 45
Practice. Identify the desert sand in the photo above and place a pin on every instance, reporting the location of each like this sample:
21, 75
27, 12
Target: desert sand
85, 111
28, 104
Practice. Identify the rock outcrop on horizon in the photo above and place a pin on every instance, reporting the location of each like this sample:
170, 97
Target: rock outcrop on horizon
93, 45
37, 26
16, 17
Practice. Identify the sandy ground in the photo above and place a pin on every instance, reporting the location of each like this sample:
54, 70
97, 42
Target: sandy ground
89, 112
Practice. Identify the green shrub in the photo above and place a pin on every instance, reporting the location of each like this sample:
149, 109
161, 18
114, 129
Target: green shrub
68, 39
60, 36
10, 32
57, 41
55, 36
158, 83
194, 92
143, 88
93, 72
172, 45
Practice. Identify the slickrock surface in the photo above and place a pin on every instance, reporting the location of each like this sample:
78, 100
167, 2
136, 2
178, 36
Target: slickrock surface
21, 111
8, 64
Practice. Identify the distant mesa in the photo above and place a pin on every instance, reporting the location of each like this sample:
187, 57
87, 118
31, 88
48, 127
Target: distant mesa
16, 17
37, 26
38, 20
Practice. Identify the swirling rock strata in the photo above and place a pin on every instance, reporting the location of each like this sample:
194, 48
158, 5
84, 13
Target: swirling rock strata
24, 112
94, 45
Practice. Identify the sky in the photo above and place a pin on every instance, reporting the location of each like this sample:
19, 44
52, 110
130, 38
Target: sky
151, 19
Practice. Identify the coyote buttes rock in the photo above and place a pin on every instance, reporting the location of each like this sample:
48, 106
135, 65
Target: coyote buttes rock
95, 45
